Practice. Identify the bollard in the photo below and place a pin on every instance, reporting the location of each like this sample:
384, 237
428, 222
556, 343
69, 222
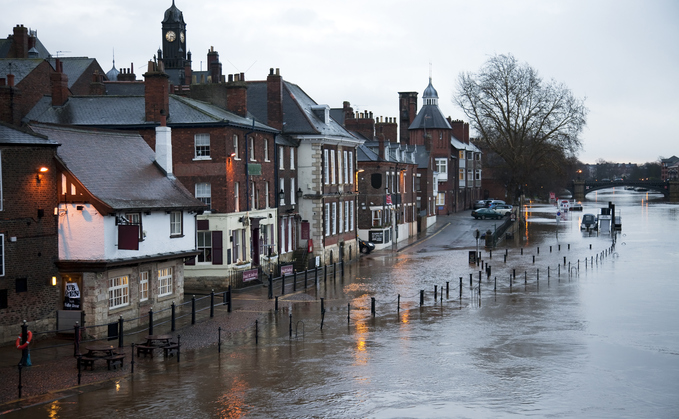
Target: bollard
578, 264
548, 272
436, 294
538, 275
398, 303
372, 306
275, 307
510, 283
479, 277
490, 254
342, 265
569, 269
421, 298
505, 258
522, 250
564, 261
348, 313
447, 289
550, 249
270, 294
559, 248
495, 286
322, 312
558, 270
569, 246
120, 331
538, 250
290, 327
460, 288
193, 310
256, 332
219, 339
514, 273
228, 310
151, 321
283, 284
212, 303
441, 294
79, 373
174, 310
533, 259
506, 252
525, 277
590, 246
471, 279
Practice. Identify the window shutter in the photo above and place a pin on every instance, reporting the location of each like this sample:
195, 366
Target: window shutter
128, 237
203, 225
217, 253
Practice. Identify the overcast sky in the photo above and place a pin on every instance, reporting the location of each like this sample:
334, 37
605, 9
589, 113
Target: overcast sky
623, 56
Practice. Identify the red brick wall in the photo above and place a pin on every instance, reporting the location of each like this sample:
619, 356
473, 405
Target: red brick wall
34, 252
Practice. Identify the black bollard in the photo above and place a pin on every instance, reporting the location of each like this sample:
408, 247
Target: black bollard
436, 294
510, 283
256, 332
533, 259
564, 261
193, 312
538, 250
480, 276
550, 249
174, 317
212, 303
79, 373
348, 313
590, 246
460, 287
538, 275
120, 331
228, 310
506, 252
151, 320
270, 295
569, 246
372, 306
514, 273
525, 277
398, 303
559, 248
447, 289
505, 258
290, 327
522, 250
421, 298
495, 286
490, 254
471, 279
275, 307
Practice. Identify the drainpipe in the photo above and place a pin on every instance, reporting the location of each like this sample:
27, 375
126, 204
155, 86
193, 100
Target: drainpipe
247, 172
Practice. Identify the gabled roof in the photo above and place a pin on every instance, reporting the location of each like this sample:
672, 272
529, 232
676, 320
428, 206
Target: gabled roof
118, 168
298, 116
19, 67
6, 45
128, 111
74, 67
14, 136
365, 154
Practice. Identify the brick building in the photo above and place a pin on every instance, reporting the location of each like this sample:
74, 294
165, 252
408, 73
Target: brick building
28, 232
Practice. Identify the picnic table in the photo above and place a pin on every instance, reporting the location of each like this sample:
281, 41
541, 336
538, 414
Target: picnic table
154, 342
101, 351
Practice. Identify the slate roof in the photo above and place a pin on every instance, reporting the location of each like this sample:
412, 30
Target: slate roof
6, 44
74, 67
430, 117
12, 135
19, 67
128, 111
124, 88
118, 168
298, 117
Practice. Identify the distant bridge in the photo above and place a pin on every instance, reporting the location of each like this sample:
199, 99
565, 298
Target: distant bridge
670, 189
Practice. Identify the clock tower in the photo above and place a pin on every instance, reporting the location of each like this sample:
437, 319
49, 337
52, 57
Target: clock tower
174, 44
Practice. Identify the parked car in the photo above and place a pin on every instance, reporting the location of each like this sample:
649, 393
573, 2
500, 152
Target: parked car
492, 202
503, 209
484, 213
365, 246
481, 204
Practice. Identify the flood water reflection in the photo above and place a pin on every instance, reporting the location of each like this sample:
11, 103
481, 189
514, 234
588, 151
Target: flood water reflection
600, 340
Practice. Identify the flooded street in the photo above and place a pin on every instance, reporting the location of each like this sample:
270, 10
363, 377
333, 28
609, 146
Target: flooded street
602, 342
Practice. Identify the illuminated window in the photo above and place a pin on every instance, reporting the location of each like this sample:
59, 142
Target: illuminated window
118, 292
143, 286
164, 282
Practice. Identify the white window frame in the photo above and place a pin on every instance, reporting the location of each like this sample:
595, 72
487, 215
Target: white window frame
441, 199
351, 214
235, 147
176, 225
266, 149
333, 178
281, 157
165, 281
376, 218
118, 292
204, 193
292, 191
340, 221
252, 149
292, 158
345, 164
201, 147
327, 219
339, 168
442, 166
351, 167
281, 196
236, 192
326, 167
202, 237
266, 191
334, 218
347, 204
143, 285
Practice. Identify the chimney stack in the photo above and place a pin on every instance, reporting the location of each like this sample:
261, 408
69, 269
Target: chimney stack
156, 93
237, 95
59, 82
274, 99
164, 148
19, 48
407, 107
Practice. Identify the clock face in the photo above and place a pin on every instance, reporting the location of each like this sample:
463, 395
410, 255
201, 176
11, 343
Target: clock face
181, 37
170, 36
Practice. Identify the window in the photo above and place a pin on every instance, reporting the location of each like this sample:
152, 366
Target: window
203, 193
252, 149
2, 255
143, 286
339, 167
341, 217
266, 194
176, 223
202, 146
292, 190
334, 218
346, 215
118, 292
470, 155
236, 244
461, 174
235, 147
461, 154
333, 179
164, 282
134, 218
377, 218
345, 164
281, 193
351, 167
351, 214
327, 219
205, 246
266, 149
442, 166
326, 167
418, 183
253, 196
281, 157
236, 204
292, 158
441, 198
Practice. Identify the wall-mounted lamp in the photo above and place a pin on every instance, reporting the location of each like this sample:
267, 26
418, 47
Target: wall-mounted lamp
281, 194
232, 155
299, 192
38, 176
54, 281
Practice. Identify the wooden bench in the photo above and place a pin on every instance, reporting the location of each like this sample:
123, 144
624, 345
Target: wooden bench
115, 361
171, 349
146, 350
86, 361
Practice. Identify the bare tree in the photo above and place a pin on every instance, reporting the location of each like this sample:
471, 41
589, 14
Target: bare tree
529, 123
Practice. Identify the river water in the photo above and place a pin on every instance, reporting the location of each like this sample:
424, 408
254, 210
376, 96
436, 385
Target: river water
600, 342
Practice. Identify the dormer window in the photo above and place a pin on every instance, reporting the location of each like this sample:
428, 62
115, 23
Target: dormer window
322, 112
